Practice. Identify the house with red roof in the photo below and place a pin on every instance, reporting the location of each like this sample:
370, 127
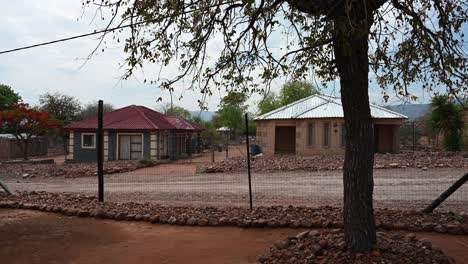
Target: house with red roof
134, 133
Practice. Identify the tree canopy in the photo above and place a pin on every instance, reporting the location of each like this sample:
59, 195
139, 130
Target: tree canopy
411, 41
447, 118
8, 97
90, 110
402, 42
290, 92
231, 111
176, 111
25, 122
269, 103
63, 107
295, 90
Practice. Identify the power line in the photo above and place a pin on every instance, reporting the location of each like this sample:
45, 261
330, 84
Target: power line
69, 38
92, 33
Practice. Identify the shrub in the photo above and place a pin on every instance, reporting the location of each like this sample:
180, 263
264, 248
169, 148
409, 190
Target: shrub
147, 162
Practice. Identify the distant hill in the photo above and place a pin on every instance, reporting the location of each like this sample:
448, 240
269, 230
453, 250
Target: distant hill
204, 115
412, 111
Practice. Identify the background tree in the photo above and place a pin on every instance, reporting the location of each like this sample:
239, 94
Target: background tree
447, 118
231, 112
176, 111
8, 97
232, 117
62, 107
209, 136
269, 103
25, 123
411, 41
236, 99
90, 110
290, 92
295, 90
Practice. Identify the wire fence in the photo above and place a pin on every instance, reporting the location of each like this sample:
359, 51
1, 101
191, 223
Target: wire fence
197, 181
417, 134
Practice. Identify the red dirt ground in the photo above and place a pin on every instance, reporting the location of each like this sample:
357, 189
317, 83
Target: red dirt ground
35, 237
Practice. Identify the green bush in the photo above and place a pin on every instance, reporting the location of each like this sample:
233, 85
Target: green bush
453, 141
147, 162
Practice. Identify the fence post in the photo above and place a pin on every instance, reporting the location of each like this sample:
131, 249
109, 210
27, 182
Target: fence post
100, 152
212, 154
248, 158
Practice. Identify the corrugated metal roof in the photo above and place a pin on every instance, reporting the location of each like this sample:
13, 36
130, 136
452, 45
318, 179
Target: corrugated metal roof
138, 118
321, 106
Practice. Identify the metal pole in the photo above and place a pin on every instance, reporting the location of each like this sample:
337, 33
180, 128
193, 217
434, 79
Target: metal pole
248, 158
100, 152
212, 154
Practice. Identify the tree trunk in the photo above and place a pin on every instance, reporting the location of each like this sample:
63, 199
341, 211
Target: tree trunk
25, 149
351, 54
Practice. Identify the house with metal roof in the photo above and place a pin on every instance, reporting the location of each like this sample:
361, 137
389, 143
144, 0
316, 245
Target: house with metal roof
134, 133
315, 125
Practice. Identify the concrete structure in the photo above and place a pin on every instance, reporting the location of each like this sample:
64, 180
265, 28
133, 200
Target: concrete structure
134, 133
315, 125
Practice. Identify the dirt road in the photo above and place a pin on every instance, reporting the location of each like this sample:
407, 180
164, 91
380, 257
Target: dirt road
35, 237
393, 187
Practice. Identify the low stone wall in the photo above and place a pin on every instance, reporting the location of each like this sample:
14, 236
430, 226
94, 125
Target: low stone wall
272, 217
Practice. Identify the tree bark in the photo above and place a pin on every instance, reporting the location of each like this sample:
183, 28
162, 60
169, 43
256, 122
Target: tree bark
351, 54
25, 149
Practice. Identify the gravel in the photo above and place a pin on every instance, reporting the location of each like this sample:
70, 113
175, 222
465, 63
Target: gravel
67, 170
329, 247
394, 188
407, 159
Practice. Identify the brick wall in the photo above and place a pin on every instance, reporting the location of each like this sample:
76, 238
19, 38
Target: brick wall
266, 135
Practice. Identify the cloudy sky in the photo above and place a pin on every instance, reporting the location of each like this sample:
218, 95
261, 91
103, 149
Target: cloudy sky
59, 67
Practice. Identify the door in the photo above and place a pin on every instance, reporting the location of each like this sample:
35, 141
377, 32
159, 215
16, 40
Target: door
384, 137
130, 147
285, 140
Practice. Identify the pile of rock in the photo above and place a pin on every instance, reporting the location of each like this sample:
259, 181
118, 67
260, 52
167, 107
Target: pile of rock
275, 216
68, 170
407, 159
328, 246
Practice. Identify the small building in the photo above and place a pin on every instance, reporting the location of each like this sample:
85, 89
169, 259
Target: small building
315, 125
134, 133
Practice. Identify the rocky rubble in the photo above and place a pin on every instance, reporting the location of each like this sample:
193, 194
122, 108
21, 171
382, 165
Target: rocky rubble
328, 246
67, 170
274, 216
406, 159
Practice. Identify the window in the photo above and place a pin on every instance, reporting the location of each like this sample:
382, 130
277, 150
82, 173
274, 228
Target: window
130, 146
310, 134
88, 140
343, 135
326, 134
